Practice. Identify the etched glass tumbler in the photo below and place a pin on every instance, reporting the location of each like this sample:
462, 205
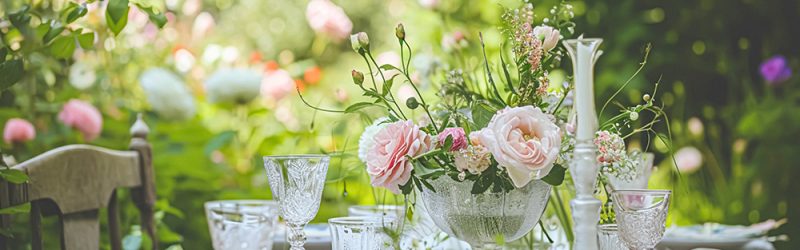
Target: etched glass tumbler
296, 182
242, 224
641, 216
608, 237
361, 233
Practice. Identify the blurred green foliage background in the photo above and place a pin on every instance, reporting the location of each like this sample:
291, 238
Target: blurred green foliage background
706, 55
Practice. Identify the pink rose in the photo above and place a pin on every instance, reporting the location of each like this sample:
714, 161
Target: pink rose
524, 140
389, 158
82, 116
18, 130
459, 138
276, 84
327, 18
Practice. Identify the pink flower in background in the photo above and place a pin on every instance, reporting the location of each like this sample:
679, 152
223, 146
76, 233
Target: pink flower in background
389, 57
327, 18
18, 130
689, 159
548, 35
389, 158
459, 138
276, 84
776, 70
82, 116
203, 23
405, 92
524, 140
610, 147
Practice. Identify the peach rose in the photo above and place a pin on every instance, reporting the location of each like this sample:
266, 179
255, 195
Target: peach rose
82, 116
389, 158
18, 130
523, 140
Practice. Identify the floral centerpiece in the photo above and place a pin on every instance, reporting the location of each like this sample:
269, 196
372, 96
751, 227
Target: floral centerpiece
508, 136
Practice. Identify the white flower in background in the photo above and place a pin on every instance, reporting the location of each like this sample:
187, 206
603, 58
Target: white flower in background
191, 7
429, 4
81, 75
167, 94
184, 60
389, 57
367, 140
689, 159
327, 18
202, 25
230, 54
695, 126
277, 84
233, 85
425, 64
548, 35
286, 116
211, 54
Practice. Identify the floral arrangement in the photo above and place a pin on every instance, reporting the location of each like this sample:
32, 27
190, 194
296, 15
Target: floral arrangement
500, 133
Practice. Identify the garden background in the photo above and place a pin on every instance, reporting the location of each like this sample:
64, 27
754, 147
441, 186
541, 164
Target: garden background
216, 84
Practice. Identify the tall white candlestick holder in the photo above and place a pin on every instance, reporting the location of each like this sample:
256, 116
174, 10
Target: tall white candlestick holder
584, 167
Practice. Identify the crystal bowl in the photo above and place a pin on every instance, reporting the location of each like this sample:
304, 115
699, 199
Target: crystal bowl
482, 219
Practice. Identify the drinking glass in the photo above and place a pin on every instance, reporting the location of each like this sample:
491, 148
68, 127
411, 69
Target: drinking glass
242, 224
361, 233
296, 182
608, 237
641, 216
377, 211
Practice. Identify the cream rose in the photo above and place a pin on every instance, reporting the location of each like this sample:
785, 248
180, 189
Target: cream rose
523, 140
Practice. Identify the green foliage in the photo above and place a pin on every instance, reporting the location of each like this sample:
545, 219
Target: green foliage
117, 15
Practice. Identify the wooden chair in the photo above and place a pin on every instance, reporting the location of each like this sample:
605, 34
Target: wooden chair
74, 182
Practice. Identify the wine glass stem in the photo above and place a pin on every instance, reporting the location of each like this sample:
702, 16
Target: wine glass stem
297, 238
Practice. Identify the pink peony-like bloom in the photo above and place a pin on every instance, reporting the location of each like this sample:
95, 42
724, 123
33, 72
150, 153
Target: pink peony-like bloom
18, 130
389, 158
524, 140
459, 138
688, 159
276, 84
327, 18
82, 116
548, 35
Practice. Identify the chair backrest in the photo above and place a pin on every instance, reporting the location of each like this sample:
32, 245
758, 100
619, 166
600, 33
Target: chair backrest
74, 182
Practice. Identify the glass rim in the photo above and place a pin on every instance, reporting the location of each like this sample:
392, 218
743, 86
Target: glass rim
608, 227
297, 156
378, 207
245, 202
360, 220
643, 191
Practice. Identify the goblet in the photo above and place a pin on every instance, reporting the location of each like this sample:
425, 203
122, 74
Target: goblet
242, 224
296, 182
641, 216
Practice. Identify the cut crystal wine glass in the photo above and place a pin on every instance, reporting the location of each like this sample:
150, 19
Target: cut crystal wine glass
296, 182
641, 216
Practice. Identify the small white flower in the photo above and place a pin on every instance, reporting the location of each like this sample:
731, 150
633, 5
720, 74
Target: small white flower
167, 94
367, 137
81, 75
233, 85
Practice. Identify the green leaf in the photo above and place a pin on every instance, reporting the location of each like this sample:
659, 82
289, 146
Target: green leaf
18, 209
3, 54
75, 11
156, 17
20, 18
117, 15
389, 67
448, 142
13, 175
85, 40
482, 184
427, 184
387, 86
482, 114
358, 106
10, 73
556, 175
55, 29
63, 47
